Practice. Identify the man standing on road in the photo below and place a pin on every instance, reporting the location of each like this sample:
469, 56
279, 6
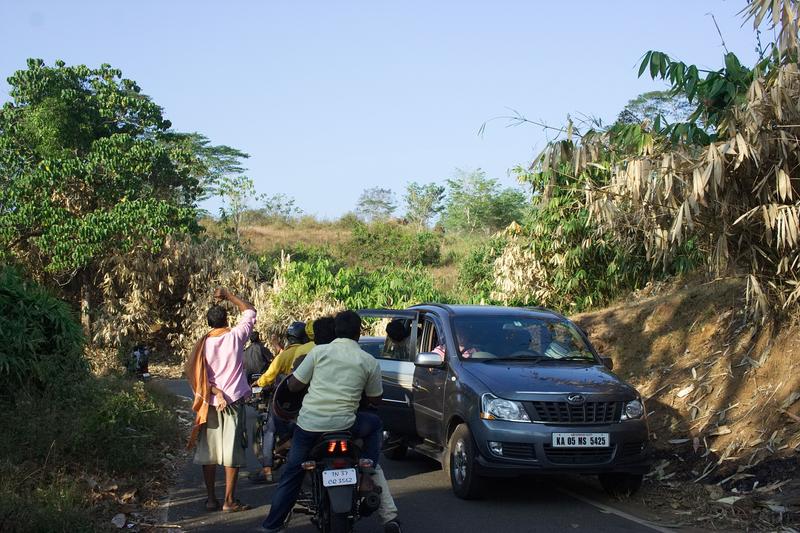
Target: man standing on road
336, 374
215, 371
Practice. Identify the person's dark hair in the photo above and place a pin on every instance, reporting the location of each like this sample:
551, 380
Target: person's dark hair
217, 317
255, 337
347, 325
324, 330
398, 330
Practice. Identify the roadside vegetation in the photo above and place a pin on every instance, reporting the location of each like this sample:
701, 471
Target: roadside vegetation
102, 246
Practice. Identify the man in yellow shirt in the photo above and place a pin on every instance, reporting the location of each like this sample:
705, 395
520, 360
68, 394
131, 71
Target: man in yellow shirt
297, 343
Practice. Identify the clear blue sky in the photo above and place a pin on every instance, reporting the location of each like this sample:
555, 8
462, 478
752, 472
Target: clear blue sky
331, 97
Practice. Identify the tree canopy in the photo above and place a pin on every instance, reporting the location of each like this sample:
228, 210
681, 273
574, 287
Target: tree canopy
89, 167
376, 203
478, 203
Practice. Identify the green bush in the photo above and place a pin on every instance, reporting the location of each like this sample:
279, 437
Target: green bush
269, 260
40, 339
124, 426
383, 243
307, 281
476, 270
97, 427
28, 503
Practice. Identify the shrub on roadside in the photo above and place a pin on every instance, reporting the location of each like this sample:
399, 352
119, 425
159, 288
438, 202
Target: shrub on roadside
40, 339
386, 243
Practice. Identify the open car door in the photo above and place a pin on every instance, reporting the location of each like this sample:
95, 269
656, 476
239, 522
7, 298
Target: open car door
396, 359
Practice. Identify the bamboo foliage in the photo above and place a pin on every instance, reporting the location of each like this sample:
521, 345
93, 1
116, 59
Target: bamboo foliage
739, 194
166, 296
733, 190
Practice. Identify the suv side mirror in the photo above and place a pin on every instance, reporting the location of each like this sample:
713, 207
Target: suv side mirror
429, 360
607, 362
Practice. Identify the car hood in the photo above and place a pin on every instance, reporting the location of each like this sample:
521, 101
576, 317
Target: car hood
522, 381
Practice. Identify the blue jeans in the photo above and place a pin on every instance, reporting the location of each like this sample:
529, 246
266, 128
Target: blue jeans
275, 426
367, 427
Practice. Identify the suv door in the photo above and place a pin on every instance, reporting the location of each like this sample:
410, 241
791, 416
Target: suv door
429, 383
397, 372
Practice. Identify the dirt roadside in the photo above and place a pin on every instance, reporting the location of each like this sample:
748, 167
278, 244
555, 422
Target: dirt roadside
722, 399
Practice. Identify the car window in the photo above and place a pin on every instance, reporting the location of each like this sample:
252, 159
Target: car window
524, 336
372, 347
432, 338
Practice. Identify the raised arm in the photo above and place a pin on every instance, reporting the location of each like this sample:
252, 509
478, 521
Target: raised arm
225, 294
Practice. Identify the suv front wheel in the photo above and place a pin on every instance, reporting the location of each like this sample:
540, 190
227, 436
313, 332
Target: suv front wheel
460, 464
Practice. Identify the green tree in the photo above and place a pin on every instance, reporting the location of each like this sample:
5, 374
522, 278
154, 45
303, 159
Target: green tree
237, 191
477, 203
423, 202
86, 172
210, 163
668, 107
279, 207
376, 203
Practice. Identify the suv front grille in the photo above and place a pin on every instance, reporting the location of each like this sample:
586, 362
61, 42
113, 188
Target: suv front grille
578, 456
564, 413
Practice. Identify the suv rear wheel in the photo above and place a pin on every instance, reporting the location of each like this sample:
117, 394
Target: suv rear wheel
620, 484
395, 448
460, 464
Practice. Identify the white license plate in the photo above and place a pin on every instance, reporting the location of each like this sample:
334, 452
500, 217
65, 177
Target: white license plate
256, 390
580, 440
334, 478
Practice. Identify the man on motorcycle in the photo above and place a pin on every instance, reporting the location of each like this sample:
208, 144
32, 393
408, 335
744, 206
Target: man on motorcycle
296, 338
322, 331
282, 364
256, 356
337, 375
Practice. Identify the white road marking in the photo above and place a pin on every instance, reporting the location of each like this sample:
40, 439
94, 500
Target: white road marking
611, 510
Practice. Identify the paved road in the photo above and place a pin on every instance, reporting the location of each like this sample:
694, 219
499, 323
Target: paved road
426, 504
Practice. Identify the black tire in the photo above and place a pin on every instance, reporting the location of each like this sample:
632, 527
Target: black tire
620, 484
460, 465
397, 449
340, 523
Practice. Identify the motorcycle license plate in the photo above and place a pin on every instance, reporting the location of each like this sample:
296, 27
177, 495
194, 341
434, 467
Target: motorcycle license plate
335, 478
580, 440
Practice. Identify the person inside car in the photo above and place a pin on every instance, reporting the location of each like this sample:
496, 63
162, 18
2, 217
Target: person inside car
465, 345
398, 332
336, 375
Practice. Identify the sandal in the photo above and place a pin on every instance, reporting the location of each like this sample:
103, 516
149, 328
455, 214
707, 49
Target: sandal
211, 507
237, 507
261, 478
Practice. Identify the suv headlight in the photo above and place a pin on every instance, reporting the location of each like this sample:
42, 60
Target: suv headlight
632, 410
494, 408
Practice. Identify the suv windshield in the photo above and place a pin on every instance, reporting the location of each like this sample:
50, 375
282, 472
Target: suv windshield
519, 337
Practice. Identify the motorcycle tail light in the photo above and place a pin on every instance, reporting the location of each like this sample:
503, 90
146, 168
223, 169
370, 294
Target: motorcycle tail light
331, 446
343, 445
309, 465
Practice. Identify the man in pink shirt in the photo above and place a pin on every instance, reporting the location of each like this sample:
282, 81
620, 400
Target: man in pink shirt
223, 438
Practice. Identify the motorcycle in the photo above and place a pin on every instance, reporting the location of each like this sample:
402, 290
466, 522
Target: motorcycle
261, 399
342, 490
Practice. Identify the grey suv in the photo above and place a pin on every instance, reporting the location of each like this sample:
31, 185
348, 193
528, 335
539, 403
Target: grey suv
500, 391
